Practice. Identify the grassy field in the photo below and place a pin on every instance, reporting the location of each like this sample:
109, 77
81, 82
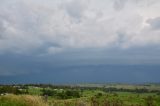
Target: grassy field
79, 96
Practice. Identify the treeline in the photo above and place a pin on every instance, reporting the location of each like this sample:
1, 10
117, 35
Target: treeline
64, 94
23, 88
12, 89
140, 90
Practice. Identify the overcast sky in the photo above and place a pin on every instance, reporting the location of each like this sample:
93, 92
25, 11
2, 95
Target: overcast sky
77, 37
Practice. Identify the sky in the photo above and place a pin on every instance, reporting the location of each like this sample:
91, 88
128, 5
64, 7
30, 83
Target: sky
79, 41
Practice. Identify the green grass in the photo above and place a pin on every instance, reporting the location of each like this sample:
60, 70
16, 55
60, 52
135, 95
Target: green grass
34, 90
88, 98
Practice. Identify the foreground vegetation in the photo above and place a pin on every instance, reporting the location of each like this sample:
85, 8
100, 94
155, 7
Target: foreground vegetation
49, 95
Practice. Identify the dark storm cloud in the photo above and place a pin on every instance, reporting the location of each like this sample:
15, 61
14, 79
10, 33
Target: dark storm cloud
30, 64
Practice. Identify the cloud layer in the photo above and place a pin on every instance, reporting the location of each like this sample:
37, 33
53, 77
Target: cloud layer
79, 40
55, 26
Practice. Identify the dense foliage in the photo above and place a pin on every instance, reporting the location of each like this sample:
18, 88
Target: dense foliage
61, 94
12, 90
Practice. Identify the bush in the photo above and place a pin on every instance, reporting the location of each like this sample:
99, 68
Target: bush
72, 93
10, 89
149, 101
98, 95
48, 92
61, 95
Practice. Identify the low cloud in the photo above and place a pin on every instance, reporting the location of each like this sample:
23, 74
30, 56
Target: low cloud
53, 50
154, 23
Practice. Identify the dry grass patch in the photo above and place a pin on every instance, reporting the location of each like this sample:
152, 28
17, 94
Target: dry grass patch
22, 100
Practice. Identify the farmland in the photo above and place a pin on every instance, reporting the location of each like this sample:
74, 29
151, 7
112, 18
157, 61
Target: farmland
80, 95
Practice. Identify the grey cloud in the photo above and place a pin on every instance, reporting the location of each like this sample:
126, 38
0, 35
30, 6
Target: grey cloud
11, 65
55, 38
28, 26
122, 37
75, 8
2, 29
154, 23
119, 4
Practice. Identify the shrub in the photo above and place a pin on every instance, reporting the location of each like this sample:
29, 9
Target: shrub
10, 89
